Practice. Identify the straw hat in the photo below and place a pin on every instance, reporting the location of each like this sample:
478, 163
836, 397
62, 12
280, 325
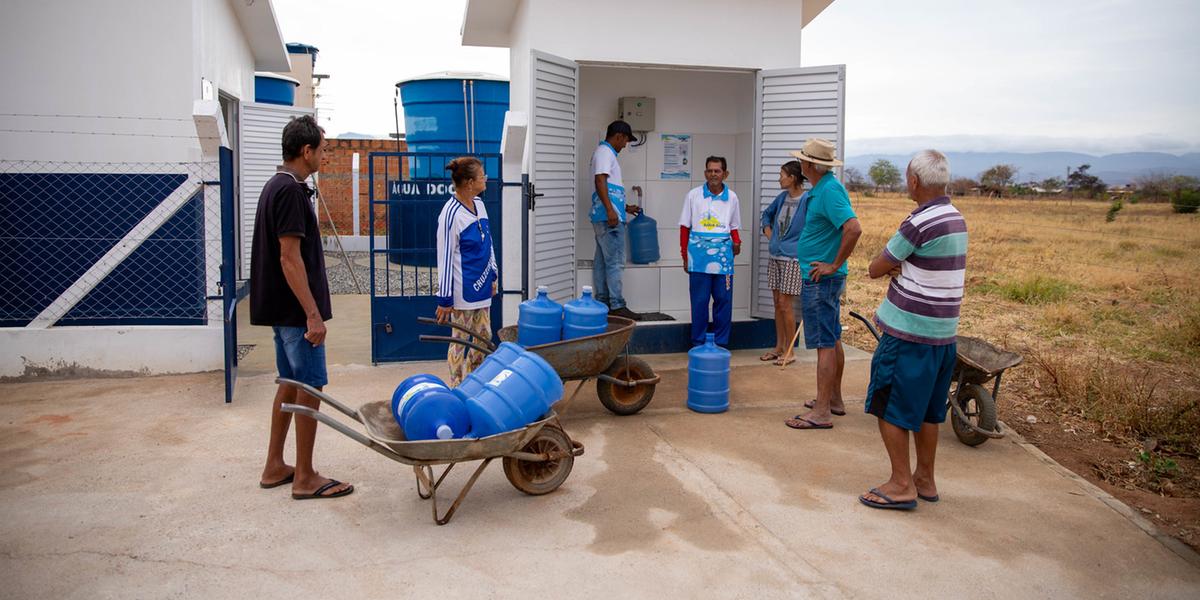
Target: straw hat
819, 151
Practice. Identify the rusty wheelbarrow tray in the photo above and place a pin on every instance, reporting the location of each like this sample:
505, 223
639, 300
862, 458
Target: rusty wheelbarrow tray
973, 407
624, 383
537, 458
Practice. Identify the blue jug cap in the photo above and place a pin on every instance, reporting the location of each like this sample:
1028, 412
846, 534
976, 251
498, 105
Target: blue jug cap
444, 432
710, 339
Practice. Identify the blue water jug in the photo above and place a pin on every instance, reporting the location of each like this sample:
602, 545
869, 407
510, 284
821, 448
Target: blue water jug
539, 320
584, 316
708, 377
436, 414
509, 390
643, 240
407, 389
426, 409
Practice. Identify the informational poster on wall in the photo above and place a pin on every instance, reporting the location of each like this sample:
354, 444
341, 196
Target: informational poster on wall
677, 156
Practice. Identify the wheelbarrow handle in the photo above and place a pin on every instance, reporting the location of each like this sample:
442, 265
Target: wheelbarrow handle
474, 335
329, 421
870, 327
318, 394
454, 340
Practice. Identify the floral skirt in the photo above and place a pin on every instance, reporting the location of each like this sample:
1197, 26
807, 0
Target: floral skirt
462, 359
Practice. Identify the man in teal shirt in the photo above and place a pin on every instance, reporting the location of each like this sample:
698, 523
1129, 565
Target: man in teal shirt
831, 231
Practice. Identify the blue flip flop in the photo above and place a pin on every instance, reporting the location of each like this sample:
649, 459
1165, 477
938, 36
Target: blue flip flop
890, 504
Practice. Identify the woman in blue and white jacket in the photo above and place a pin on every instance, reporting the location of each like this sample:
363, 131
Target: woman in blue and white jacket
466, 263
782, 223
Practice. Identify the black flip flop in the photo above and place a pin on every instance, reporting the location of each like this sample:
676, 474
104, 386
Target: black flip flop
889, 504
837, 412
811, 424
284, 481
318, 496
933, 498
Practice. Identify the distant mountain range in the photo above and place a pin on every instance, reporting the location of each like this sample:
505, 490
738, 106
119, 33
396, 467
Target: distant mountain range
1114, 169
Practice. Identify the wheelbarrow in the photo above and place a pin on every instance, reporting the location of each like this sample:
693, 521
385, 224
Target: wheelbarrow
973, 408
537, 458
624, 383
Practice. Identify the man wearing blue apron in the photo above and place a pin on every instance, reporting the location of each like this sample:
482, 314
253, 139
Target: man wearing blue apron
708, 240
608, 219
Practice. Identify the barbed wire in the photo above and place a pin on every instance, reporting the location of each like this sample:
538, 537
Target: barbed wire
113, 133
117, 117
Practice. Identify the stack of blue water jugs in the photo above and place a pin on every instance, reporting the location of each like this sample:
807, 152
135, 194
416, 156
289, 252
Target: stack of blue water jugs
543, 321
509, 390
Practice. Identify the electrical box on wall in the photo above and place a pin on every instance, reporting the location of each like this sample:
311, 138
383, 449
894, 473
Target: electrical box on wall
638, 111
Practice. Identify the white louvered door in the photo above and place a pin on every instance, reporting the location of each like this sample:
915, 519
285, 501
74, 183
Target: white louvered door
554, 109
261, 150
792, 105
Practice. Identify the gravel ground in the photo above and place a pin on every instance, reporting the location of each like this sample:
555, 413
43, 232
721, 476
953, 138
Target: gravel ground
401, 281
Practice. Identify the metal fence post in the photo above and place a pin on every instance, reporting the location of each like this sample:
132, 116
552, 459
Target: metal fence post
229, 262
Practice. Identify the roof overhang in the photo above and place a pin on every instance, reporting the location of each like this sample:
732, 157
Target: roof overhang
489, 22
257, 18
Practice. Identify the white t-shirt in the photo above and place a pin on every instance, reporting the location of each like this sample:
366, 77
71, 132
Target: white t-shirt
704, 212
604, 162
711, 218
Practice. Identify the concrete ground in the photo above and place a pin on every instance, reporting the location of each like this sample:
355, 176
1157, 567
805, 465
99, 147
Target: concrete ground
147, 488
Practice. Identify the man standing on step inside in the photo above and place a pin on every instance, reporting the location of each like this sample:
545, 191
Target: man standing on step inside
708, 240
290, 293
608, 219
831, 230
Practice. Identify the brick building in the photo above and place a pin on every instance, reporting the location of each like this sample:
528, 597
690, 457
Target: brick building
336, 182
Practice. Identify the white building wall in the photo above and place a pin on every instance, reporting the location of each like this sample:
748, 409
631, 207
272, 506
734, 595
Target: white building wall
142, 61
717, 110
126, 58
223, 54
716, 33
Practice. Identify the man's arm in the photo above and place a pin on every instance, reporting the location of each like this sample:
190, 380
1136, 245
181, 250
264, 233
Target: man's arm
851, 231
883, 265
297, 280
602, 192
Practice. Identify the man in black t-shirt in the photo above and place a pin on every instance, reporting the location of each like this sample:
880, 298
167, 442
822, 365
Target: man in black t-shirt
290, 293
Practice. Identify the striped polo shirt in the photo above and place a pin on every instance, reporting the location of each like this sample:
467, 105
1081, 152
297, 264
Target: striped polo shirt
922, 304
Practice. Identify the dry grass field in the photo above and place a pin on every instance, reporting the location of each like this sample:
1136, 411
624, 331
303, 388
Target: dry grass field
1107, 315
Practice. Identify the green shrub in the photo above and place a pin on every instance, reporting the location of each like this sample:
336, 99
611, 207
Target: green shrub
1038, 289
1186, 201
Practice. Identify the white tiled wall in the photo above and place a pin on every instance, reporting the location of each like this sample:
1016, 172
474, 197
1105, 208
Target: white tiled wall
717, 110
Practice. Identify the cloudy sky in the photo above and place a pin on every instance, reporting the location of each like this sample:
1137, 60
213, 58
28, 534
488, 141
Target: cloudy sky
1093, 76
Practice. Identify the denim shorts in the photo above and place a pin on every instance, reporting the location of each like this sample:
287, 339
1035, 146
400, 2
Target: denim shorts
910, 382
295, 357
821, 307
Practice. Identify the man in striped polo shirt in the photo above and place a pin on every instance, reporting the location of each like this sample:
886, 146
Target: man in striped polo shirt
912, 365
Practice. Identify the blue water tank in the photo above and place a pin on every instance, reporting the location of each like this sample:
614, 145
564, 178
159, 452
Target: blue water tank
539, 320
273, 88
510, 389
708, 377
643, 240
459, 113
584, 316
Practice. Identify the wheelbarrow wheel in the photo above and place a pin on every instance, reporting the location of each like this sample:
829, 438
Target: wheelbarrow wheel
542, 477
979, 409
624, 400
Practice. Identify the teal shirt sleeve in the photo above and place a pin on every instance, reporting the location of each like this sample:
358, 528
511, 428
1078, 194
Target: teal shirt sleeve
836, 208
898, 248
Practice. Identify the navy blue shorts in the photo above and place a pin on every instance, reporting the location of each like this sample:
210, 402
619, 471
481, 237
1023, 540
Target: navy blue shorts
821, 308
910, 382
295, 357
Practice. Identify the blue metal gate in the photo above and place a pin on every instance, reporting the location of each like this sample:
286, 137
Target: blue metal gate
407, 192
